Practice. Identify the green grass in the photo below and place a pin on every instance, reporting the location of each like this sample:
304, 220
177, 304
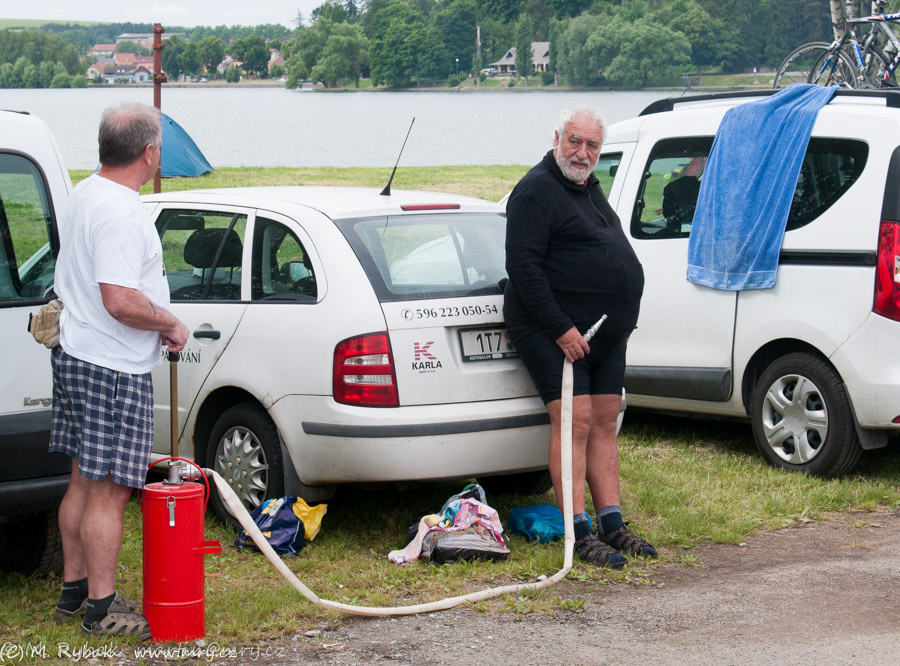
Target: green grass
685, 483
485, 182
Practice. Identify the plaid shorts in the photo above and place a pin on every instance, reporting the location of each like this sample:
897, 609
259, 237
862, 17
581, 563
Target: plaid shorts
103, 419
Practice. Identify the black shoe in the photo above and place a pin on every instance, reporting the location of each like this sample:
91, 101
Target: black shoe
593, 551
625, 542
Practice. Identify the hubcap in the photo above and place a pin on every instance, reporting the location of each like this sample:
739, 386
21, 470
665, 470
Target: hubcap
241, 461
794, 419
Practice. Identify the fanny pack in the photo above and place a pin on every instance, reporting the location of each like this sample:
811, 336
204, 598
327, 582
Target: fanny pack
44, 326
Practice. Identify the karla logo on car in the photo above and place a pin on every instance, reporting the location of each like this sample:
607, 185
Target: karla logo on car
423, 360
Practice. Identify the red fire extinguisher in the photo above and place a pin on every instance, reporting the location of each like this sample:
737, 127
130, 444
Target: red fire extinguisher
174, 546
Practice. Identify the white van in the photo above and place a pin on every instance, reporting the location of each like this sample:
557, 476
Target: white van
34, 188
811, 362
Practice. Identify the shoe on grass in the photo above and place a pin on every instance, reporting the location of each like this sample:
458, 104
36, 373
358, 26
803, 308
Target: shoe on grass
593, 551
122, 619
63, 615
624, 541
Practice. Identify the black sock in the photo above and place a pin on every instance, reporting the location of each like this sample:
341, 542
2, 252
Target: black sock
581, 524
610, 519
97, 608
73, 593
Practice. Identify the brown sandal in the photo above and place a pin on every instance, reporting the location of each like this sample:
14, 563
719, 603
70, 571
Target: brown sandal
63, 615
593, 551
625, 541
122, 619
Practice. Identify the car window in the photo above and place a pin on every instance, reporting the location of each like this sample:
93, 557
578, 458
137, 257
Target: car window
668, 193
430, 256
202, 253
606, 169
671, 182
281, 268
829, 168
26, 257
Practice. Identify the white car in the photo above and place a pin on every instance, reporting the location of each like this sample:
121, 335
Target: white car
342, 336
811, 362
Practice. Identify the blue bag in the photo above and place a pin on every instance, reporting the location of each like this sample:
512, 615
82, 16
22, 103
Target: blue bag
539, 522
276, 519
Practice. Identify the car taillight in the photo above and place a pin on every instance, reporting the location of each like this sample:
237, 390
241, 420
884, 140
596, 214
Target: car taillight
887, 271
364, 372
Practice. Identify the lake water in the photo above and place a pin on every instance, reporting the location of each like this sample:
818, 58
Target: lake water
279, 127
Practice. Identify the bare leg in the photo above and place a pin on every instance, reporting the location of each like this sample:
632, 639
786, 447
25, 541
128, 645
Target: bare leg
90, 519
71, 510
581, 427
602, 458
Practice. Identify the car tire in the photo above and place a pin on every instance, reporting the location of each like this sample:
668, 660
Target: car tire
802, 419
525, 483
31, 544
244, 449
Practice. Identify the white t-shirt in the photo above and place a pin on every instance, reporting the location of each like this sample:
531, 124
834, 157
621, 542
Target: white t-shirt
106, 235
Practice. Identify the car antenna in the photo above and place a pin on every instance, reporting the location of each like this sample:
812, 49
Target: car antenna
386, 192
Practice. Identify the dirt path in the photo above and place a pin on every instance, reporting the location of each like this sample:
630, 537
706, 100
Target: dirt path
823, 593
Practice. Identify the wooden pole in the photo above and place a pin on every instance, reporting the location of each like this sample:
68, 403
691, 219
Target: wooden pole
159, 77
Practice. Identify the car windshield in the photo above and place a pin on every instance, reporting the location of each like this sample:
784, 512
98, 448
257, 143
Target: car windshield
430, 256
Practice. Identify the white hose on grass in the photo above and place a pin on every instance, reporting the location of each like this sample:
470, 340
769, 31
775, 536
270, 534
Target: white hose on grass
243, 517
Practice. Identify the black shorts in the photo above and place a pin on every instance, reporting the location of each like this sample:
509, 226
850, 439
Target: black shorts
599, 373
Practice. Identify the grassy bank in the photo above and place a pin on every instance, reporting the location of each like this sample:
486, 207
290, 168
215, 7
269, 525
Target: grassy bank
485, 182
685, 484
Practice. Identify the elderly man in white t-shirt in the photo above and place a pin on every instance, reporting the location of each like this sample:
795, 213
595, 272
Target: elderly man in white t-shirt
111, 279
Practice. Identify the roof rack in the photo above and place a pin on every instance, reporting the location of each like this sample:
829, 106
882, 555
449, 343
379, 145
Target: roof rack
891, 97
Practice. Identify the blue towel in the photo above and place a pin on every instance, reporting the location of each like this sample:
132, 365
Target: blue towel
747, 188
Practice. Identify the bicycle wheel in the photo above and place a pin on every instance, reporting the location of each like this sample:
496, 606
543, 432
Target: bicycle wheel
835, 68
815, 62
877, 66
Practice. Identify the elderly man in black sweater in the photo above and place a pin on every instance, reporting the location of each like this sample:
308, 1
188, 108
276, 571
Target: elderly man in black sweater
569, 263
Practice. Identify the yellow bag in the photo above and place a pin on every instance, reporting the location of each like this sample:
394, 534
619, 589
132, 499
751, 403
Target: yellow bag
44, 326
311, 517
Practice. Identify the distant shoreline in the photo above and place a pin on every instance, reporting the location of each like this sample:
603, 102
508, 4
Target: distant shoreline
264, 83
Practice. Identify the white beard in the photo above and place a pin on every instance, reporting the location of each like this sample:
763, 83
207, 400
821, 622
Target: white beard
573, 173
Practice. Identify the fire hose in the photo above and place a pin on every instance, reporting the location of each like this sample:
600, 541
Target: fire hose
243, 517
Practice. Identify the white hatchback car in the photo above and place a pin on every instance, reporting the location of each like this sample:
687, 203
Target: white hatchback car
342, 336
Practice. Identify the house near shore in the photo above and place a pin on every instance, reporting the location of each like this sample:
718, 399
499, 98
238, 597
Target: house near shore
127, 73
540, 57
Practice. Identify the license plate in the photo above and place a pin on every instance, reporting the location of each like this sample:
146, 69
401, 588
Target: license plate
484, 344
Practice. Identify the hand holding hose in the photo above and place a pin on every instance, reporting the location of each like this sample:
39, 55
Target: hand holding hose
574, 345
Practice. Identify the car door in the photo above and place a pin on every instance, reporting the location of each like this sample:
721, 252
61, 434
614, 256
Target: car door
26, 277
203, 251
682, 347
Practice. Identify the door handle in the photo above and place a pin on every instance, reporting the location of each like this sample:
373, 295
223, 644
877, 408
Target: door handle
212, 335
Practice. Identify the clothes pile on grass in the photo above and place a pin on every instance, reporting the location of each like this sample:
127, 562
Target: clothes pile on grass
466, 528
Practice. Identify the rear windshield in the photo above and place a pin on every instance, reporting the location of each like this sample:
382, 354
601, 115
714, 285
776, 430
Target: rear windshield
441, 255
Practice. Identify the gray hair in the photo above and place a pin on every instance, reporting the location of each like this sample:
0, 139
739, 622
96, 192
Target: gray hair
125, 130
569, 113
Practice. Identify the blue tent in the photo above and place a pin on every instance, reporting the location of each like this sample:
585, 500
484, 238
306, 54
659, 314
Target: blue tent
180, 155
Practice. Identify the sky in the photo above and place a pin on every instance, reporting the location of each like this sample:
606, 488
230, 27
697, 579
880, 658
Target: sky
189, 13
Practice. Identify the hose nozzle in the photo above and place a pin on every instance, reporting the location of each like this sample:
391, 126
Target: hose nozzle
593, 329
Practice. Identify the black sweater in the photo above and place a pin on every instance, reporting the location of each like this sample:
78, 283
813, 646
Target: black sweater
567, 257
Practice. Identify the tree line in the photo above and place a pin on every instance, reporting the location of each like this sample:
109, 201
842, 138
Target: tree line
401, 43
631, 43
38, 59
